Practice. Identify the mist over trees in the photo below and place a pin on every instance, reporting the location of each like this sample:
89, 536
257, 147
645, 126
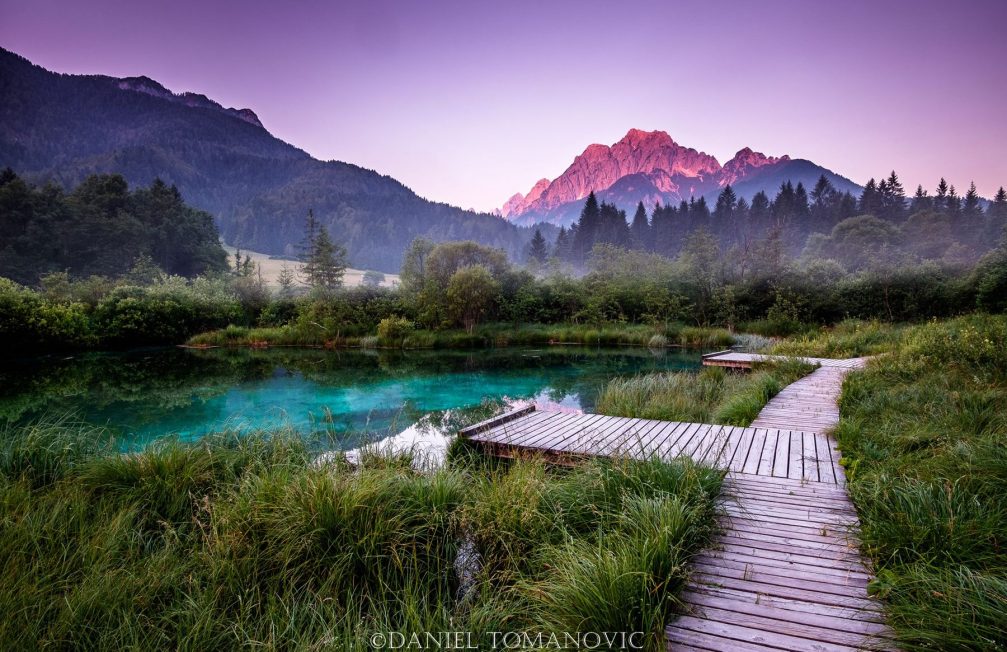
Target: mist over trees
880, 227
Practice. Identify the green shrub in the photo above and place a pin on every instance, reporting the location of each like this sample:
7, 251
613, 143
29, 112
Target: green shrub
395, 329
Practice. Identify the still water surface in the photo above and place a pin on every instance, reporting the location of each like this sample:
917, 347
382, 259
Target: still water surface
352, 396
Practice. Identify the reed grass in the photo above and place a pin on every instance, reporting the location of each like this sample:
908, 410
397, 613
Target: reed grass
712, 395
923, 433
239, 542
847, 339
672, 334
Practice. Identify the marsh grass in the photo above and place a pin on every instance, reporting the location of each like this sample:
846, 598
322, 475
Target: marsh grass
236, 542
655, 336
712, 395
847, 339
924, 435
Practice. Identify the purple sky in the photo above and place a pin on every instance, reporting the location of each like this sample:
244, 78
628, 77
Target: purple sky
470, 101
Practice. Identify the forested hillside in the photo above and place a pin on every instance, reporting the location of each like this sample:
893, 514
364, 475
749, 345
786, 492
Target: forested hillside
63, 128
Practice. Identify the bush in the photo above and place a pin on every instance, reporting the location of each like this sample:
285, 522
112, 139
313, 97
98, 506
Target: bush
394, 329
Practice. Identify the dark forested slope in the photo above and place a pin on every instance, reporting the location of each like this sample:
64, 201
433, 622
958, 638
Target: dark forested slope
63, 128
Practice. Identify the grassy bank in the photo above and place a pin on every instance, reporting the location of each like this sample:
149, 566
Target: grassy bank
925, 432
245, 542
674, 334
711, 396
848, 339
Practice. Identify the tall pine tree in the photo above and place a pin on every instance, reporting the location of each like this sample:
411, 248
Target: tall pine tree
587, 228
640, 229
538, 250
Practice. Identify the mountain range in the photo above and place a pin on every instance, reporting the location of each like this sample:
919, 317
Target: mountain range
649, 166
62, 128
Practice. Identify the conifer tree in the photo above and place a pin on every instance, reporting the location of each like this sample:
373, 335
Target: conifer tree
996, 219
823, 200
324, 260
587, 228
921, 201
538, 250
724, 224
800, 201
328, 261
953, 203
870, 199
971, 208
940, 202
640, 229
892, 199
286, 280
562, 247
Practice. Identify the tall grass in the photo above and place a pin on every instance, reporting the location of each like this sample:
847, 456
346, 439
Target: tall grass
238, 542
924, 434
711, 396
848, 339
672, 334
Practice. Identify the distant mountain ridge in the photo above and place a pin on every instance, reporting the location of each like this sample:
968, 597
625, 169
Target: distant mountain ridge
649, 166
62, 128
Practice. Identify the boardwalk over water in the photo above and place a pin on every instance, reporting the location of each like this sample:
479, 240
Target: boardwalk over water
785, 573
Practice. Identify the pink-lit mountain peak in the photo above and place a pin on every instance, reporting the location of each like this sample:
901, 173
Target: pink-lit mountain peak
651, 153
743, 163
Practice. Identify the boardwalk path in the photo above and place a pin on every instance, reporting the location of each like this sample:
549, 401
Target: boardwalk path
785, 573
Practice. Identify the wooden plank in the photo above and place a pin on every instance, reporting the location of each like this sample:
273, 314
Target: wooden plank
628, 438
801, 606
781, 461
720, 456
520, 431
735, 519
787, 514
744, 446
672, 449
701, 441
739, 633
680, 639
637, 446
814, 628
759, 542
574, 426
795, 465
502, 418
845, 584
813, 564
590, 437
810, 460
768, 452
755, 454
792, 536
796, 590
543, 432
749, 605
735, 435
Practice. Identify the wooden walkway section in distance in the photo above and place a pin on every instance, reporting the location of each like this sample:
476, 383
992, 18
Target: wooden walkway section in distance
785, 573
739, 360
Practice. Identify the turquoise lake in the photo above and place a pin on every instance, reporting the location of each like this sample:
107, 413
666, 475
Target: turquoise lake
350, 396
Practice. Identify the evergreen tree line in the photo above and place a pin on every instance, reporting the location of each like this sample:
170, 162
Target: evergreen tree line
822, 223
102, 228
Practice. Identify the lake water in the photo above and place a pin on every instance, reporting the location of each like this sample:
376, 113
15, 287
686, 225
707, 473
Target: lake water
350, 396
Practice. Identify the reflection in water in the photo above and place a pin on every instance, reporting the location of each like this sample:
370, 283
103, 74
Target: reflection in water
352, 396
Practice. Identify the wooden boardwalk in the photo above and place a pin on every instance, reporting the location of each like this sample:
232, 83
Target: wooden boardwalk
739, 360
785, 572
